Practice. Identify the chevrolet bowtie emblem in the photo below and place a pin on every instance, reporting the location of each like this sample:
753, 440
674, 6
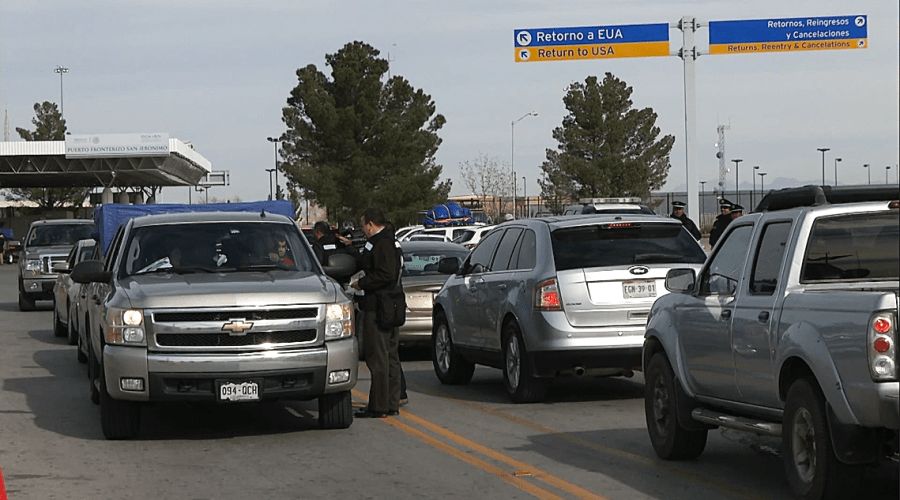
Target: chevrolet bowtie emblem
237, 327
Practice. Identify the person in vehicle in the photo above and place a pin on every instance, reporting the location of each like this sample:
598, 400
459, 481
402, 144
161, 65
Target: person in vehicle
280, 254
678, 213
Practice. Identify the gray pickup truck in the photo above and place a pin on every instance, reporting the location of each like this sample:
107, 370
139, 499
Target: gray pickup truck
47, 243
788, 330
220, 307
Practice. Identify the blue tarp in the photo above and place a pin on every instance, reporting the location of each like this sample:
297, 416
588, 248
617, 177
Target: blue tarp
108, 217
448, 214
6, 232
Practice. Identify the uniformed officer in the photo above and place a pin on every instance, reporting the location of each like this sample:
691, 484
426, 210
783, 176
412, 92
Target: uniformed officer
678, 213
736, 211
721, 222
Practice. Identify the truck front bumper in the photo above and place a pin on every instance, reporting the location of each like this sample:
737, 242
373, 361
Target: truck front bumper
290, 374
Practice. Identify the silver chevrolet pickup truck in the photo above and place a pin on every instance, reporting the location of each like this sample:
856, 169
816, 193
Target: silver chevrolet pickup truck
47, 243
788, 330
223, 307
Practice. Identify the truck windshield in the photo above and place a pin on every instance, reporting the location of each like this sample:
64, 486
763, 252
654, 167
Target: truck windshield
625, 244
58, 234
216, 247
854, 247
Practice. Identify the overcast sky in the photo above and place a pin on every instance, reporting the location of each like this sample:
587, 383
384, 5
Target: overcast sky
216, 73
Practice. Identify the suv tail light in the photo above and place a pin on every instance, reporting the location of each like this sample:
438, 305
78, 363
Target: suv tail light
882, 347
546, 296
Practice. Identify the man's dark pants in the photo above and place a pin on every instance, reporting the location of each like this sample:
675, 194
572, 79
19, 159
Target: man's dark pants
383, 359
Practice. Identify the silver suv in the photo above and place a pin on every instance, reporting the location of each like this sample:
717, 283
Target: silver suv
47, 243
539, 298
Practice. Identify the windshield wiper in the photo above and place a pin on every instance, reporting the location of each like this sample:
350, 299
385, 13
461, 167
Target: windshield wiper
264, 267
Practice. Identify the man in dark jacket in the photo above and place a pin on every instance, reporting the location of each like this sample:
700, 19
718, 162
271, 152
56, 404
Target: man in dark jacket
721, 222
678, 213
381, 260
327, 242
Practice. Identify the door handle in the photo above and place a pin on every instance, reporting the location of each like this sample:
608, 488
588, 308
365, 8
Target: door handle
726, 313
763, 316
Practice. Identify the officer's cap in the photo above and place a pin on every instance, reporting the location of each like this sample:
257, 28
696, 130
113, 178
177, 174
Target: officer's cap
737, 208
678, 205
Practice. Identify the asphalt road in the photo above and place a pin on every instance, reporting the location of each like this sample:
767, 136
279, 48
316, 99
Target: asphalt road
587, 441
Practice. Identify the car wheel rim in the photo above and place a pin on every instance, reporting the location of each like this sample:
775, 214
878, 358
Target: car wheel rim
661, 408
513, 361
442, 348
803, 445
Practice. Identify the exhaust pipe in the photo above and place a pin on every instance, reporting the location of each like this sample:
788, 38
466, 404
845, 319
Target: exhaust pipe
578, 371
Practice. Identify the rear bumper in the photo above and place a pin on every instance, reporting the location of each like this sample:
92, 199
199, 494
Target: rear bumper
299, 374
549, 363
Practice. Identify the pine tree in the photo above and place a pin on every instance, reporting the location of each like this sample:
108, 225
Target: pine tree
606, 148
360, 139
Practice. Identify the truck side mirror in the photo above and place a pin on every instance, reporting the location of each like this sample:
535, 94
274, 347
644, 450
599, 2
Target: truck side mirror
90, 271
680, 280
340, 266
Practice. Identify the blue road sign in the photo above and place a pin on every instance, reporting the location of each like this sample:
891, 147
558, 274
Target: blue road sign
788, 35
591, 42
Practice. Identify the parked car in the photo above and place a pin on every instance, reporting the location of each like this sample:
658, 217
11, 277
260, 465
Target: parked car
608, 206
426, 266
78, 316
472, 235
47, 243
540, 298
403, 231
445, 233
790, 331
65, 291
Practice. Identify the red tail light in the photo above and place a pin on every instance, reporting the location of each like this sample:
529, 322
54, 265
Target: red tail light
882, 347
546, 296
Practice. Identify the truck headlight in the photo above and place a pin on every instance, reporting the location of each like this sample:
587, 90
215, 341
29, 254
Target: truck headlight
33, 265
125, 326
338, 320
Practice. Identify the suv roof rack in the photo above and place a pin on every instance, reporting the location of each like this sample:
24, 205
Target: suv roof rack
813, 195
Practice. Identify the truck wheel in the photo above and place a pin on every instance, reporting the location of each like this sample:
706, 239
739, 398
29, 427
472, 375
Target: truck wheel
79, 353
449, 366
93, 375
119, 419
670, 440
26, 303
71, 332
813, 471
335, 410
59, 330
521, 385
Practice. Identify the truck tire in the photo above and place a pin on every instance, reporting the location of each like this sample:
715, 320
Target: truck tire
93, 375
26, 303
118, 419
449, 366
335, 410
71, 332
813, 470
79, 353
59, 330
670, 440
521, 385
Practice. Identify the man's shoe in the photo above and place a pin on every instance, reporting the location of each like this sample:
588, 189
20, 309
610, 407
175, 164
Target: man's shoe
393, 413
403, 401
370, 414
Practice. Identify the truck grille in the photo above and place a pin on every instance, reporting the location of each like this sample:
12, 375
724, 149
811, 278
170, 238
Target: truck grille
226, 340
248, 315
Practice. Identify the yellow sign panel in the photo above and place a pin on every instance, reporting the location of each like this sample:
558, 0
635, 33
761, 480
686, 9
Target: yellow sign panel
802, 46
574, 52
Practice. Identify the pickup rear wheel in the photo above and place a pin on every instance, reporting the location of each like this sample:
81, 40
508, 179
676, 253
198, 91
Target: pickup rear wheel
521, 385
449, 366
813, 471
335, 410
71, 332
670, 440
119, 419
93, 375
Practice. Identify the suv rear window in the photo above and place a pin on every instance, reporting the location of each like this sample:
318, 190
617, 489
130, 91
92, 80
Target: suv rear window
853, 247
624, 244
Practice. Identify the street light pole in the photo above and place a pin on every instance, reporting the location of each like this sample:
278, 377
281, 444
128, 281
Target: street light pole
512, 154
823, 162
737, 191
762, 183
270, 170
753, 193
836, 160
886, 173
61, 70
275, 141
868, 172
702, 201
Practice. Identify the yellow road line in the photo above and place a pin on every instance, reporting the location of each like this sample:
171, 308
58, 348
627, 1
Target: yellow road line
484, 450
